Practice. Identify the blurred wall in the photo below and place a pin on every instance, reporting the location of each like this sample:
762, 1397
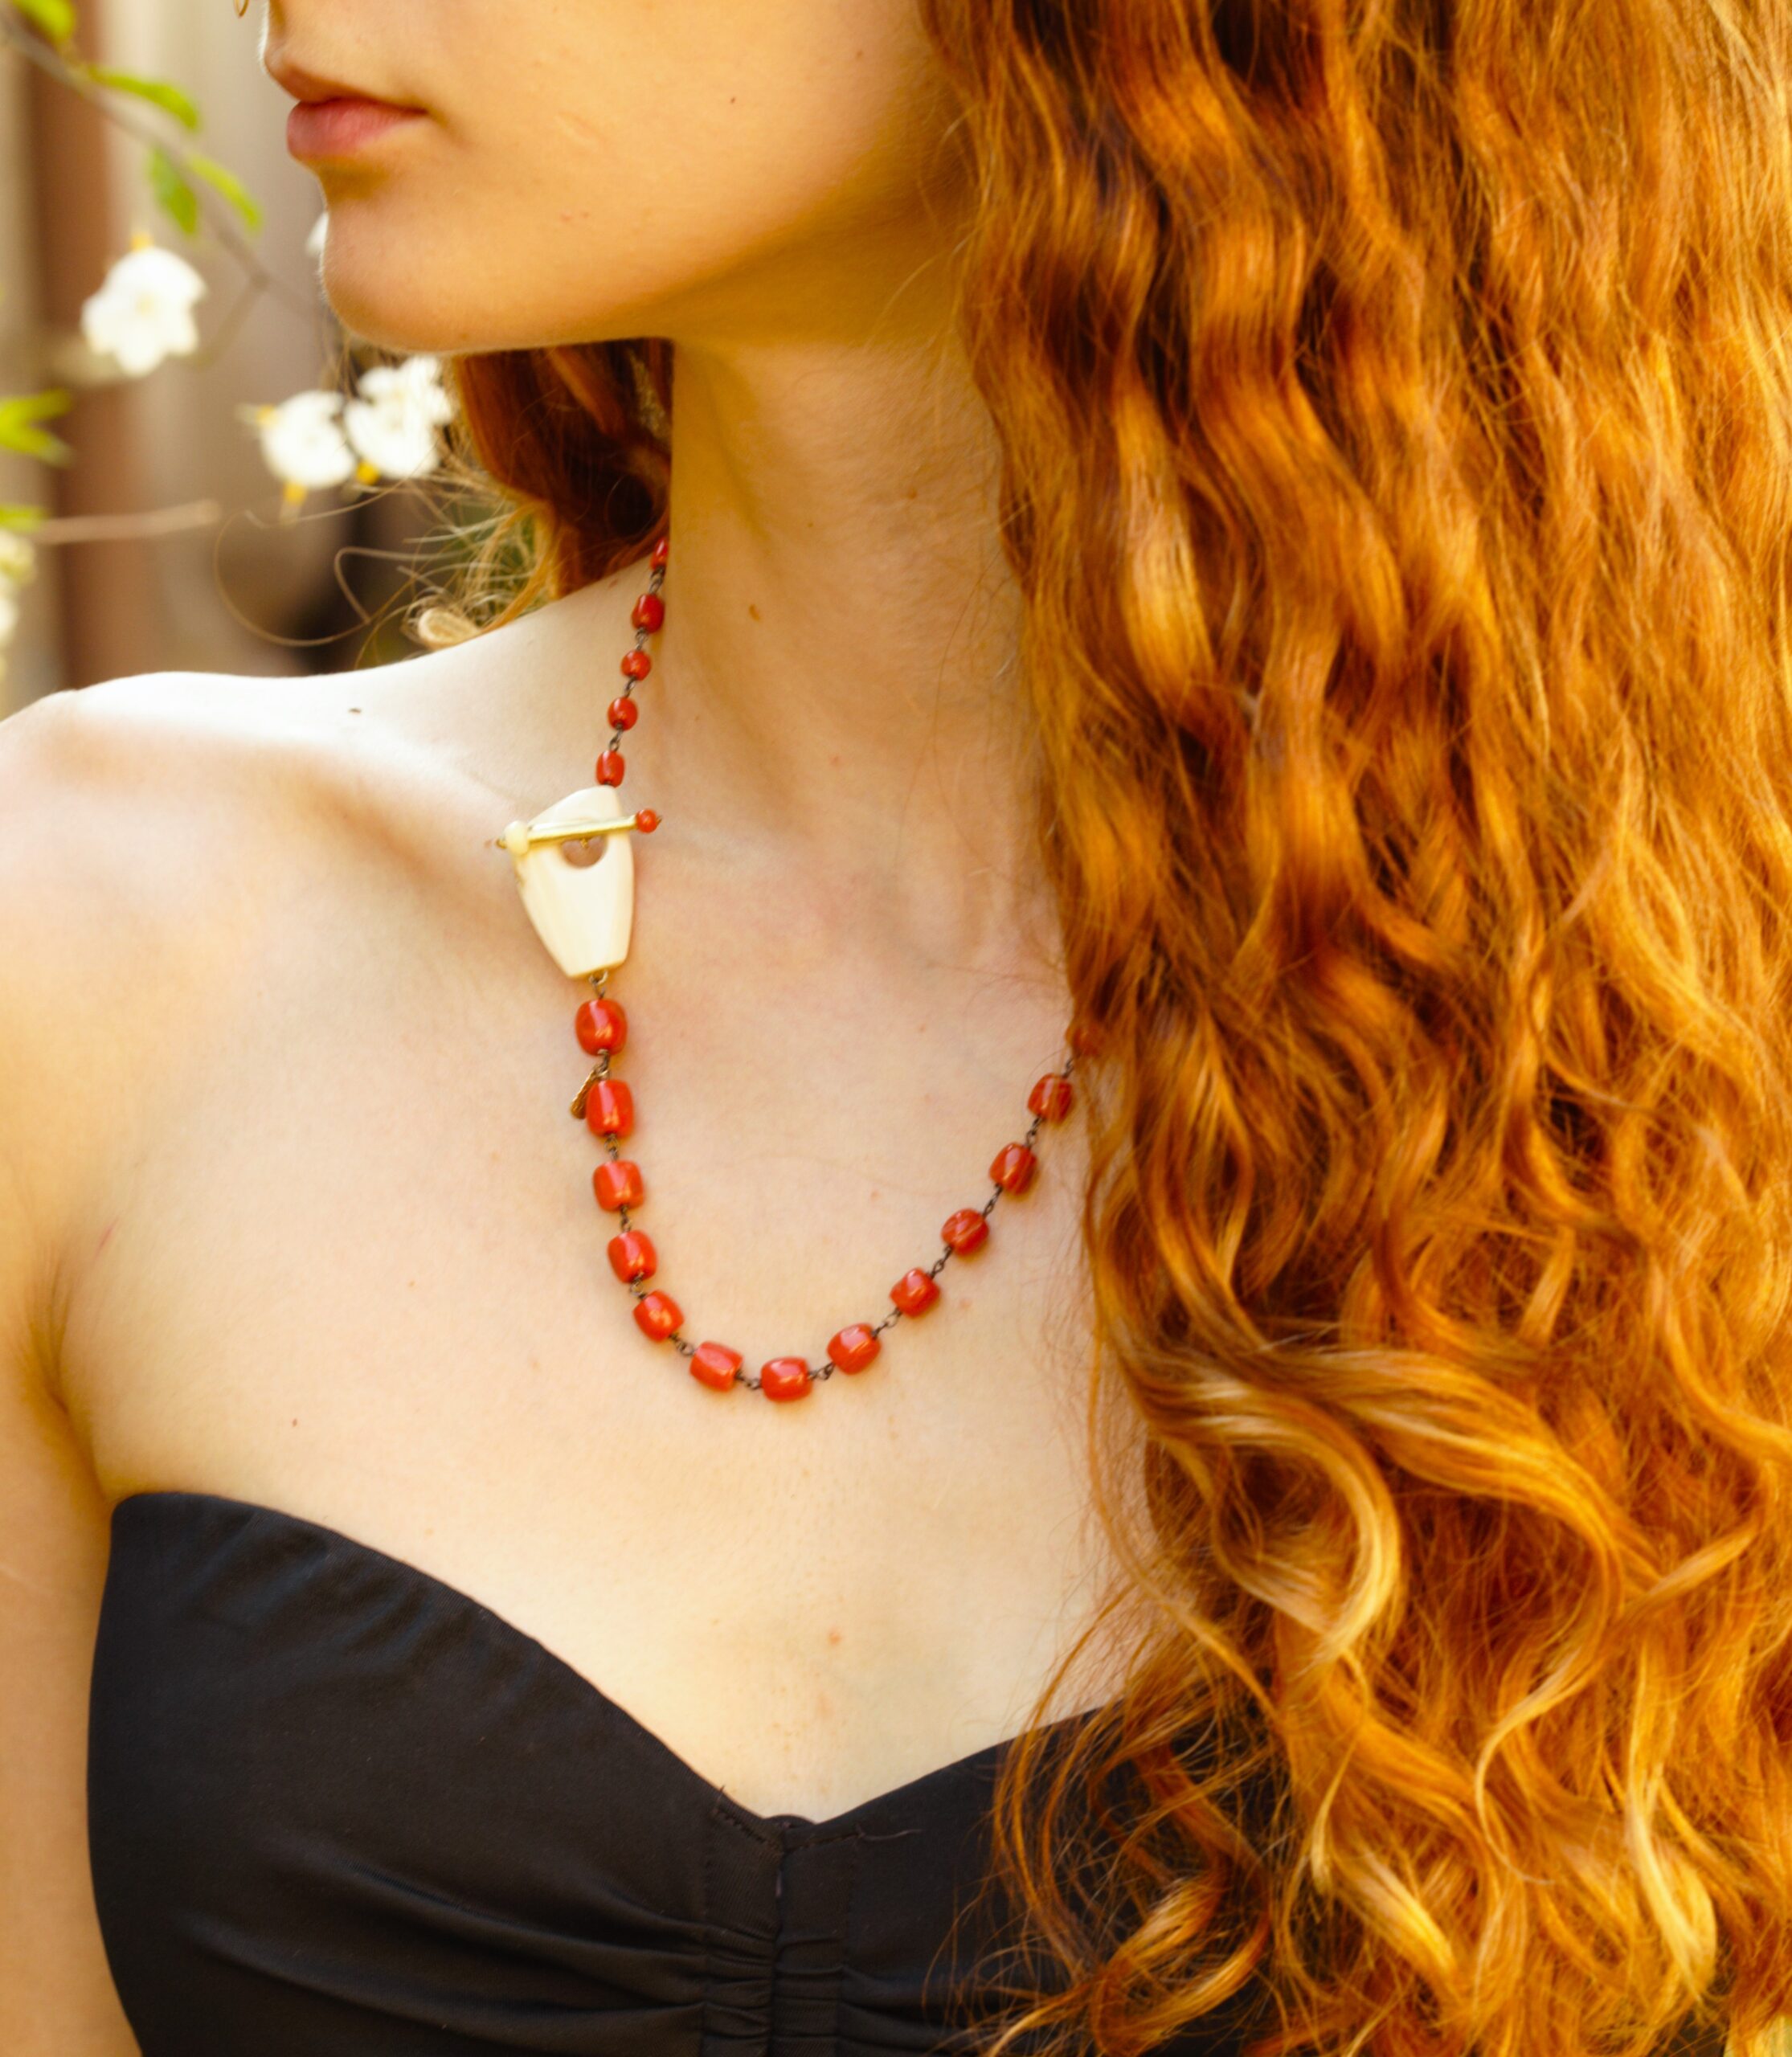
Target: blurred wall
241, 595
34, 659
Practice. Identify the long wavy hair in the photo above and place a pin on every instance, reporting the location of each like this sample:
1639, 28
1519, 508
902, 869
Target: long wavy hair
1395, 397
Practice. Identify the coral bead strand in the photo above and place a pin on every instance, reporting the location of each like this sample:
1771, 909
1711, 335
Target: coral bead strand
968, 1230
609, 1113
648, 616
607, 1107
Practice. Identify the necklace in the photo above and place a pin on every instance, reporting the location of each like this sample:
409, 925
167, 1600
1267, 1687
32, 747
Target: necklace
576, 870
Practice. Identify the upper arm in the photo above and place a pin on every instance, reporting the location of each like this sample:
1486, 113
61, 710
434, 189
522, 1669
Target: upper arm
56, 1994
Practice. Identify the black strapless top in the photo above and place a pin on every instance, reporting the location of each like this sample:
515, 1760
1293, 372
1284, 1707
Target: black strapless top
337, 1807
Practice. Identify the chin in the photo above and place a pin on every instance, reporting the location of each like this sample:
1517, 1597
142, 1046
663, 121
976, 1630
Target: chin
387, 306
407, 274
399, 290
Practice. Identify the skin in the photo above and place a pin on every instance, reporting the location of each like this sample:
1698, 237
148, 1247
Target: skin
290, 1207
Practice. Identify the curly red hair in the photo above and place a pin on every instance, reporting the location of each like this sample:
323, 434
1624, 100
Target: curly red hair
1396, 405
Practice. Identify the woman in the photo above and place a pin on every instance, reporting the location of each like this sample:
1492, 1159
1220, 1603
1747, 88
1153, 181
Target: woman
1224, 572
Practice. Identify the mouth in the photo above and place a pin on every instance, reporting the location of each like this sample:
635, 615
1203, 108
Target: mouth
333, 121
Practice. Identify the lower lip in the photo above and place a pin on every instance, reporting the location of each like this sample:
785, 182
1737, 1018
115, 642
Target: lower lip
318, 130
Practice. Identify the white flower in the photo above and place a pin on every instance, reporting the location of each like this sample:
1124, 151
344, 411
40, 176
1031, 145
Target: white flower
17, 562
143, 311
314, 242
18, 559
392, 421
303, 443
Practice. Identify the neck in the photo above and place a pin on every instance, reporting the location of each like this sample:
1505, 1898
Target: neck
838, 687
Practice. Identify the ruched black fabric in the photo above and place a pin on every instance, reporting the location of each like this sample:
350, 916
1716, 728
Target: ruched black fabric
338, 1808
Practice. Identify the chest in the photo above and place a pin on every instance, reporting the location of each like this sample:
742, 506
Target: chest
352, 1265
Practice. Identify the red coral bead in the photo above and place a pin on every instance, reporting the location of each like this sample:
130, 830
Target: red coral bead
1085, 1040
601, 1025
662, 549
1013, 1168
646, 821
623, 712
617, 1184
650, 612
785, 1378
966, 1230
914, 1292
632, 1256
714, 1364
656, 1316
636, 665
609, 768
609, 1108
854, 1348
1050, 1099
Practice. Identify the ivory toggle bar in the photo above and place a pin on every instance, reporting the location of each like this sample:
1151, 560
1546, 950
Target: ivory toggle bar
521, 836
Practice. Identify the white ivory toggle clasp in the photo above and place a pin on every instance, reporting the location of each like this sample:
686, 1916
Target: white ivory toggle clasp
521, 836
582, 912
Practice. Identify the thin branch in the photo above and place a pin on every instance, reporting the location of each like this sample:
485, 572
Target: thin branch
127, 528
35, 50
224, 334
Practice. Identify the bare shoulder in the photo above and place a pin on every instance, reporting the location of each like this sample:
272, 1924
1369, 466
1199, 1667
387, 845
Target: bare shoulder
115, 801
180, 751
164, 836
130, 790
139, 765
150, 828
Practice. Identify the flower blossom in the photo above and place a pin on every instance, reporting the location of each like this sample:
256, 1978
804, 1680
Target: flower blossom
302, 442
17, 558
17, 562
143, 310
393, 420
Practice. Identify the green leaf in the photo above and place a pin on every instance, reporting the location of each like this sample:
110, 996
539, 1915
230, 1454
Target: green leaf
170, 99
227, 182
55, 17
20, 415
45, 406
21, 517
174, 195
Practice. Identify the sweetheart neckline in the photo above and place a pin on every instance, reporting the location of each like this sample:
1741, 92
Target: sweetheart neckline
588, 1688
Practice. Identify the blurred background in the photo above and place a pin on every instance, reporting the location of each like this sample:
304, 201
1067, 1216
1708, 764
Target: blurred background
164, 548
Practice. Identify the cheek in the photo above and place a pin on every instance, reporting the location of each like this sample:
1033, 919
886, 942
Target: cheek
611, 165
